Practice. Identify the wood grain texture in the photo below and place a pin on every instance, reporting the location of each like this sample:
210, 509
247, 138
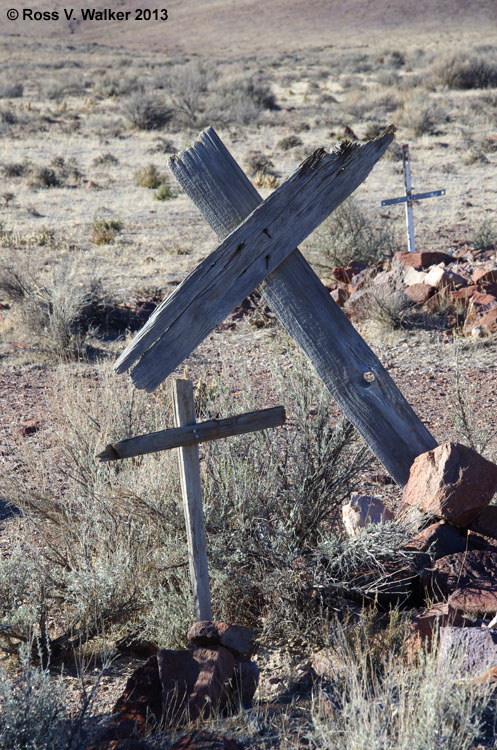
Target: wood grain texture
189, 465
295, 294
249, 254
201, 432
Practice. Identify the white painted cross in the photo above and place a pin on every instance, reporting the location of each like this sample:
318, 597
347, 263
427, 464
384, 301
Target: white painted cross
408, 199
186, 437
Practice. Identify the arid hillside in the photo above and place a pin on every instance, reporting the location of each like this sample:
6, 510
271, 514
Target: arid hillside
230, 28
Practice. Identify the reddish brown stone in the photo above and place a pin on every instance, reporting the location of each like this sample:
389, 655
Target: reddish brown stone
210, 689
419, 293
205, 741
463, 294
486, 522
483, 301
141, 701
480, 599
423, 259
178, 672
347, 273
473, 569
424, 626
238, 638
439, 539
489, 320
481, 275
451, 481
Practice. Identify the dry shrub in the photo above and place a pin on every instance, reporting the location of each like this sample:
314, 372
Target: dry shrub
420, 116
56, 310
104, 231
145, 111
465, 70
149, 177
349, 234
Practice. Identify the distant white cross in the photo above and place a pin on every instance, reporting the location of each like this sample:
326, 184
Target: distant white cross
408, 199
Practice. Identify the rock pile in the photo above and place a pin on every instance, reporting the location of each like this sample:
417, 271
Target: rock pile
465, 282
214, 673
455, 485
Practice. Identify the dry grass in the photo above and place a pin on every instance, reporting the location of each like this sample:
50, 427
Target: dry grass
100, 549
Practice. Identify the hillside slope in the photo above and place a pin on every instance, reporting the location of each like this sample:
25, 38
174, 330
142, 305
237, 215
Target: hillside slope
232, 27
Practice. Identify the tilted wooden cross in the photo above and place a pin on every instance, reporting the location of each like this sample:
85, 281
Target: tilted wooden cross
259, 250
186, 437
409, 197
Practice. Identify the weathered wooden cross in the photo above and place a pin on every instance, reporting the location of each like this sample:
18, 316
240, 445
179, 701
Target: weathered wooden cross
259, 250
408, 198
186, 437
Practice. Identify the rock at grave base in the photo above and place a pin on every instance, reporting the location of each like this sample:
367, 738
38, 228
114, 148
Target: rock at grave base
475, 647
422, 259
489, 320
363, 510
178, 673
486, 522
205, 741
238, 638
193, 683
423, 627
419, 293
475, 599
439, 539
210, 690
141, 701
472, 571
451, 481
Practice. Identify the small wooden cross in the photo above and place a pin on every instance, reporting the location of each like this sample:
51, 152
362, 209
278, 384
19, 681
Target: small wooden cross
186, 436
409, 197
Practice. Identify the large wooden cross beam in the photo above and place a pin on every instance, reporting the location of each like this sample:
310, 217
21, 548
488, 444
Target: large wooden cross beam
258, 250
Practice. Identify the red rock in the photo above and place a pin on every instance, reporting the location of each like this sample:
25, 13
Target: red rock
451, 481
439, 539
29, 427
486, 522
178, 673
210, 689
481, 275
442, 278
483, 301
472, 570
474, 648
205, 741
475, 599
419, 293
425, 624
489, 320
489, 287
238, 638
347, 273
340, 296
422, 259
463, 294
141, 702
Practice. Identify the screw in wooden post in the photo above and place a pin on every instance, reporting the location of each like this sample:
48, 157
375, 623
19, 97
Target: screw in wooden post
189, 466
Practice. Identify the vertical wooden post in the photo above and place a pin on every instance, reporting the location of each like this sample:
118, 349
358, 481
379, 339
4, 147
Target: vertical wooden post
189, 466
411, 246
